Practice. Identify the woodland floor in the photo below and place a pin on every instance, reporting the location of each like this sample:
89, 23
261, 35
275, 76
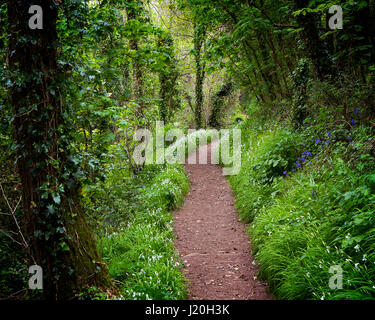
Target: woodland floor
212, 242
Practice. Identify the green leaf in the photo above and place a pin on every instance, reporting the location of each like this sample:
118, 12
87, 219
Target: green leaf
56, 198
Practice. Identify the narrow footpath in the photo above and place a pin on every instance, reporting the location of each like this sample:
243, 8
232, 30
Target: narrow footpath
212, 242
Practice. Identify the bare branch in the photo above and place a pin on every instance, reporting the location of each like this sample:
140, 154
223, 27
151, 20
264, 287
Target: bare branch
10, 237
12, 213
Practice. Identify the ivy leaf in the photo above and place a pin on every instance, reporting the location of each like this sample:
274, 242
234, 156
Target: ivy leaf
57, 198
61, 229
51, 209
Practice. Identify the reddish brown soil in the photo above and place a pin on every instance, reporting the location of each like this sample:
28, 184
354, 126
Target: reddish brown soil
212, 242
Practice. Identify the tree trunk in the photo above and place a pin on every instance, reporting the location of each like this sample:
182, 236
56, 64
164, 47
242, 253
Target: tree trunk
137, 79
168, 91
199, 38
316, 47
60, 240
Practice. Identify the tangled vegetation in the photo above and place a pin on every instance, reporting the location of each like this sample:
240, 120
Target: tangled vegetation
74, 93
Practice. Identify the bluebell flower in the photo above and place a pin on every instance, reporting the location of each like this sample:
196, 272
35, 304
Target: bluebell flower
298, 164
327, 141
285, 173
303, 159
313, 192
317, 141
356, 111
293, 170
307, 154
329, 134
350, 139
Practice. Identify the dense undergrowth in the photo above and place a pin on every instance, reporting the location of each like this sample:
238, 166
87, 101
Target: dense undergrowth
139, 252
309, 196
134, 225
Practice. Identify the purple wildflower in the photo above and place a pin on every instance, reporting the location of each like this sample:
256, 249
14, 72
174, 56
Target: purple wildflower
307, 154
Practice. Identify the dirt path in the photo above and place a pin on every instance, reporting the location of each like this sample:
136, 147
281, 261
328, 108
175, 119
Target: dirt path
212, 243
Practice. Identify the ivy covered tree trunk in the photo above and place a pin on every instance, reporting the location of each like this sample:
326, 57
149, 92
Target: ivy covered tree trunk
168, 92
59, 238
132, 11
199, 38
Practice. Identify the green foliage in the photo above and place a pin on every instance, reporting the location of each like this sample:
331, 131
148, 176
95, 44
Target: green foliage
168, 75
217, 112
13, 273
319, 216
276, 153
121, 65
265, 157
300, 81
13, 256
131, 217
140, 254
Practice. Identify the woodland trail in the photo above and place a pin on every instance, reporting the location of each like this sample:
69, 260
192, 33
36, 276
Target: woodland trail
212, 242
